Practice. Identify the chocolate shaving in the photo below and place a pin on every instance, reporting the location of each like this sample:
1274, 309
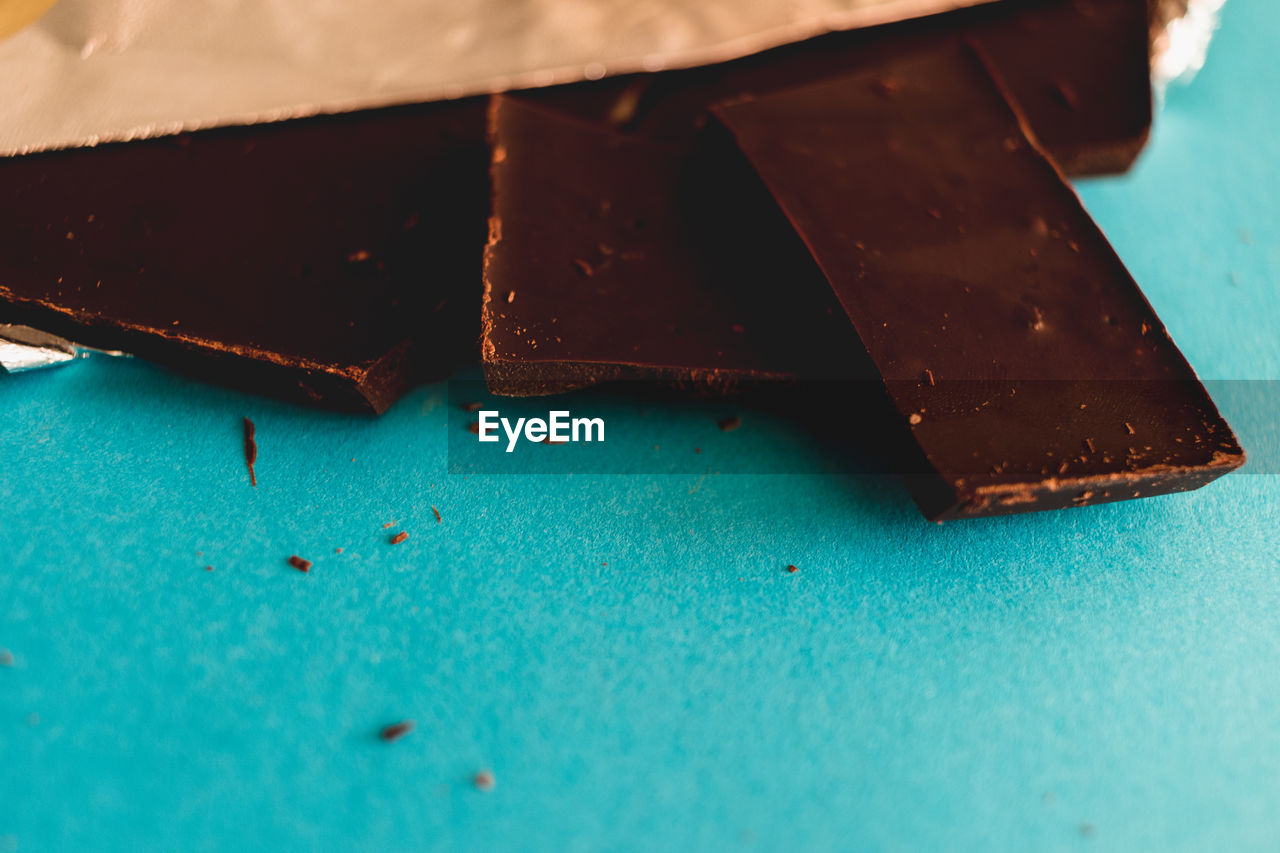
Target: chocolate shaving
436, 513
250, 451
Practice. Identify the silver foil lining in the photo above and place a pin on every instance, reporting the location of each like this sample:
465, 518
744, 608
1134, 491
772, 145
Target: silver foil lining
24, 348
92, 71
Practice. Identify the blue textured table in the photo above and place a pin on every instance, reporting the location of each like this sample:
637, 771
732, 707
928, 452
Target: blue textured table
628, 654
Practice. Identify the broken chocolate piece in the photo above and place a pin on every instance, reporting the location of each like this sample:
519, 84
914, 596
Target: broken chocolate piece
652, 254
1078, 73
1039, 340
696, 248
304, 259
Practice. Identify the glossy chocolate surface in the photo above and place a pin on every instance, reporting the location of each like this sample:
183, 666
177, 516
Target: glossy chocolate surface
1017, 351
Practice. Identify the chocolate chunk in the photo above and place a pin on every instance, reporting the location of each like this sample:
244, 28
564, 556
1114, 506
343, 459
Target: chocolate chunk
1078, 73
1038, 339
687, 291
305, 258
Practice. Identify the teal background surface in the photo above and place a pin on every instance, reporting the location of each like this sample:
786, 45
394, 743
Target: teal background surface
627, 653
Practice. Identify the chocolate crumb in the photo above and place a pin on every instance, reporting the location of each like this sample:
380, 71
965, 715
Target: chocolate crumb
483, 780
697, 450
388, 524
511, 296
729, 424
399, 537
358, 256
300, 564
436, 513
337, 550
1088, 443
208, 568
395, 731
584, 267
471, 407
928, 377
1128, 427
473, 428
792, 569
250, 450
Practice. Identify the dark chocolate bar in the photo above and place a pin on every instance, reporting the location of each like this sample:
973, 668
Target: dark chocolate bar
670, 246
1017, 352
333, 259
711, 262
